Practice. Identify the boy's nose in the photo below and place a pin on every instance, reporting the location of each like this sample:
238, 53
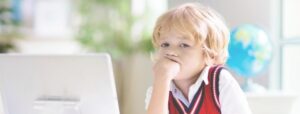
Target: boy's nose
171, 53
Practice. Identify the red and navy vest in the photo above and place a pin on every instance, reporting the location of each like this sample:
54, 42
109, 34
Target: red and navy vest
206, 99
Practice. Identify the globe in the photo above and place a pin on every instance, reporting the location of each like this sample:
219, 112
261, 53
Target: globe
250, 50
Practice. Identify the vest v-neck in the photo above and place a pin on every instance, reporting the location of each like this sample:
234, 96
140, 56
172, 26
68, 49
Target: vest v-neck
196, 101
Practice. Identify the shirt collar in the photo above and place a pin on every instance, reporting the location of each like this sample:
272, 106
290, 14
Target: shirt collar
202, 77
193, 89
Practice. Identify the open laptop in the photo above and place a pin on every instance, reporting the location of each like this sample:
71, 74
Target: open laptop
57, 84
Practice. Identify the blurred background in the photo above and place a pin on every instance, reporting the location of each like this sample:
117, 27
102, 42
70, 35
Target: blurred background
123, 28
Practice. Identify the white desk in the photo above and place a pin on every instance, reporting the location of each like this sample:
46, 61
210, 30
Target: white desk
271, 103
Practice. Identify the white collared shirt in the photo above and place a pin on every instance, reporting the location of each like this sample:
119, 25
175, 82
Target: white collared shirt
232, 98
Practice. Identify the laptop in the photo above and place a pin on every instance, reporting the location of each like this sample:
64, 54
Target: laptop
57, 84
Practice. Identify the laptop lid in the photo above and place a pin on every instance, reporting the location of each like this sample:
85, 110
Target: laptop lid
60, 84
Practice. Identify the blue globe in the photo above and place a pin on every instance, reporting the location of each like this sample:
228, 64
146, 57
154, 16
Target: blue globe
250, 50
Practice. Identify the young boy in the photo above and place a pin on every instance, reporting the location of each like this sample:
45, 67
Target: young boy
191, 42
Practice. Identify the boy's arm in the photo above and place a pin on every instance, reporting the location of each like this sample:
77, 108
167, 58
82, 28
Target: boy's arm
159, 98
164, 71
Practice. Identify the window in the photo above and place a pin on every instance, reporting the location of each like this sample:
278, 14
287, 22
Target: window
290, 45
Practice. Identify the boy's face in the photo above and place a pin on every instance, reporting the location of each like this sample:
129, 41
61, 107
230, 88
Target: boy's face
184, 51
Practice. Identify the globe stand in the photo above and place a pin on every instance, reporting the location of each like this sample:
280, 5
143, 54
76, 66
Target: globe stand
250, 86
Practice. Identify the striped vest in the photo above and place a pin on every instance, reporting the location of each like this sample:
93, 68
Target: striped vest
206, 99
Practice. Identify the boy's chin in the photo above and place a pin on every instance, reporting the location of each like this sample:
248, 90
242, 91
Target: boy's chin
184, 77
179, 78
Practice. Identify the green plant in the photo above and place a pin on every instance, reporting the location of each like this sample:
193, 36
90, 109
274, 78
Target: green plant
8, 27
106, 25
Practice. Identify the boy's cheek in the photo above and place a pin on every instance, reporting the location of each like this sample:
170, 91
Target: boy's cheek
158, 56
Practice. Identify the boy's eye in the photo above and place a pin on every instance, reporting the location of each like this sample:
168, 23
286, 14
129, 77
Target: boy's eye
164, 45
183, 45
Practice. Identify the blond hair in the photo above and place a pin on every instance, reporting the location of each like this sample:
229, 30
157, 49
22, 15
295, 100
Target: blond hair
199, 23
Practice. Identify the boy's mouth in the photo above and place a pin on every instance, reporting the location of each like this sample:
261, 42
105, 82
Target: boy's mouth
173, 59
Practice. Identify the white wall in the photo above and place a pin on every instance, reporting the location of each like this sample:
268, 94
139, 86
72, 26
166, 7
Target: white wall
238, 12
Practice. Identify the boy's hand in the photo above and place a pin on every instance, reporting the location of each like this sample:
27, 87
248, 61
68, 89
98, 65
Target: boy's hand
165, 69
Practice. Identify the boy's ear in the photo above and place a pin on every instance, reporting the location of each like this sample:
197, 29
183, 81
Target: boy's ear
207, 59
